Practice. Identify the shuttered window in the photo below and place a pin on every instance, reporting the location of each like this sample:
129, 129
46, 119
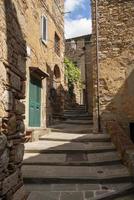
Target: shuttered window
44, 35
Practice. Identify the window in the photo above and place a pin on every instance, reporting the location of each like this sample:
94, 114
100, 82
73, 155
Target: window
57, 44
73, 44
44, 29
56, 72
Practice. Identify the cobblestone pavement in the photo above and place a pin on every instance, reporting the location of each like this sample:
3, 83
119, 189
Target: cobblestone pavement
72, 163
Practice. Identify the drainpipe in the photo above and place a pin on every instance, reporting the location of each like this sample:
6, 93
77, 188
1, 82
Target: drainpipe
97, 65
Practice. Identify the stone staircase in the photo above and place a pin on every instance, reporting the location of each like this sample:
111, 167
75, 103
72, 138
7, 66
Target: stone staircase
72, 163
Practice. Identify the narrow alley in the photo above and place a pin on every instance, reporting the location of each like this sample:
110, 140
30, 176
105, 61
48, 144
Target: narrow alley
72, 163
66, 99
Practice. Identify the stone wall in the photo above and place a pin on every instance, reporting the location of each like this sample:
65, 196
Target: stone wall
21, 47
116, 61
12, 109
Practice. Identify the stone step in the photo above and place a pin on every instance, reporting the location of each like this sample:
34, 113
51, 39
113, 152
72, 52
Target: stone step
65, 174
96, 189
76, 113
66, 147
79, 122
79, 192
76, 117
72, 128
72, 159
57, 136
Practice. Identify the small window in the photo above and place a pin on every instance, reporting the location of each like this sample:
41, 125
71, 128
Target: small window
73, 44
57, 44
44, 29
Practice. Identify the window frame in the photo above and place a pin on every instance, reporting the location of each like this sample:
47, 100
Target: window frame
44, 40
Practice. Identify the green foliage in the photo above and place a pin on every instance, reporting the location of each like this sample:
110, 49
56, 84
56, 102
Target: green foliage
72, 73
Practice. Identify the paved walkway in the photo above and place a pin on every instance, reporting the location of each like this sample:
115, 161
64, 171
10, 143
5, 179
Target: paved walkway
72, 163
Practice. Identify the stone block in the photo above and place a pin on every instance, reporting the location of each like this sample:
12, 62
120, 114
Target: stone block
19, 107
20, 126
15, 81
12, 124
10, 182
4, 159
7, 100
22, 64
19, 153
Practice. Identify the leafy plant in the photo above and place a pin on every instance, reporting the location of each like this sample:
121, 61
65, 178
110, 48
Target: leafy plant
72, 72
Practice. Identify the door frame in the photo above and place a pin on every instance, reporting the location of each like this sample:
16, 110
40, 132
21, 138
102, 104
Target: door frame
35, 77
43, 100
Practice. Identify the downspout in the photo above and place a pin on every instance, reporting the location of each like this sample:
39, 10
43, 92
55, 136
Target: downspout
97, 65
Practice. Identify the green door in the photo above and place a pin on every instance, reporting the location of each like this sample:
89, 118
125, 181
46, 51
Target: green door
34, 102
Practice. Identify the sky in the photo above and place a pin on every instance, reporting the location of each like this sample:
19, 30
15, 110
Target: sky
78, 22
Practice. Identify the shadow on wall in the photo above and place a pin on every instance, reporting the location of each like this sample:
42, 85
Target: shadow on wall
119, 112
14, 63
54, 97
57, 98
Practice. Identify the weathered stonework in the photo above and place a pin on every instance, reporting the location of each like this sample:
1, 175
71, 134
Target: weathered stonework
21, 51
113, 65
12, 45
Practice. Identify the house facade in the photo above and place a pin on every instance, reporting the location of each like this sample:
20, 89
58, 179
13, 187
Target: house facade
31, 80
45, 71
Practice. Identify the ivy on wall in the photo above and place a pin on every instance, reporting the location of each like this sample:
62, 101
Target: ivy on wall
73, 75
72, 72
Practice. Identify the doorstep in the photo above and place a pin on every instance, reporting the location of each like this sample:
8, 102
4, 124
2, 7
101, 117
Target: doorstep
33, 134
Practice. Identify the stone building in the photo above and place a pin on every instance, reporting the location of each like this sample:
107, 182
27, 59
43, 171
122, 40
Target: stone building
31, 80
77, 50
45, 71
113, 69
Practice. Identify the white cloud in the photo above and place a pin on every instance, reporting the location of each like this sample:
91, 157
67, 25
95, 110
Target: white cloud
77, 27
71, 5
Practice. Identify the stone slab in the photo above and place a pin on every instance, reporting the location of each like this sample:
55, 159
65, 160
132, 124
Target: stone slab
38, 187
88, 187
75, 173
44, 158
64, 187
36, 195
76, 137
55, 146
103, 157
71, 159
71, 196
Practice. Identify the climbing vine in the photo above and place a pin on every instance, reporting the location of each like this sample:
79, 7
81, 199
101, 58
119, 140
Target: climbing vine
72, 72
